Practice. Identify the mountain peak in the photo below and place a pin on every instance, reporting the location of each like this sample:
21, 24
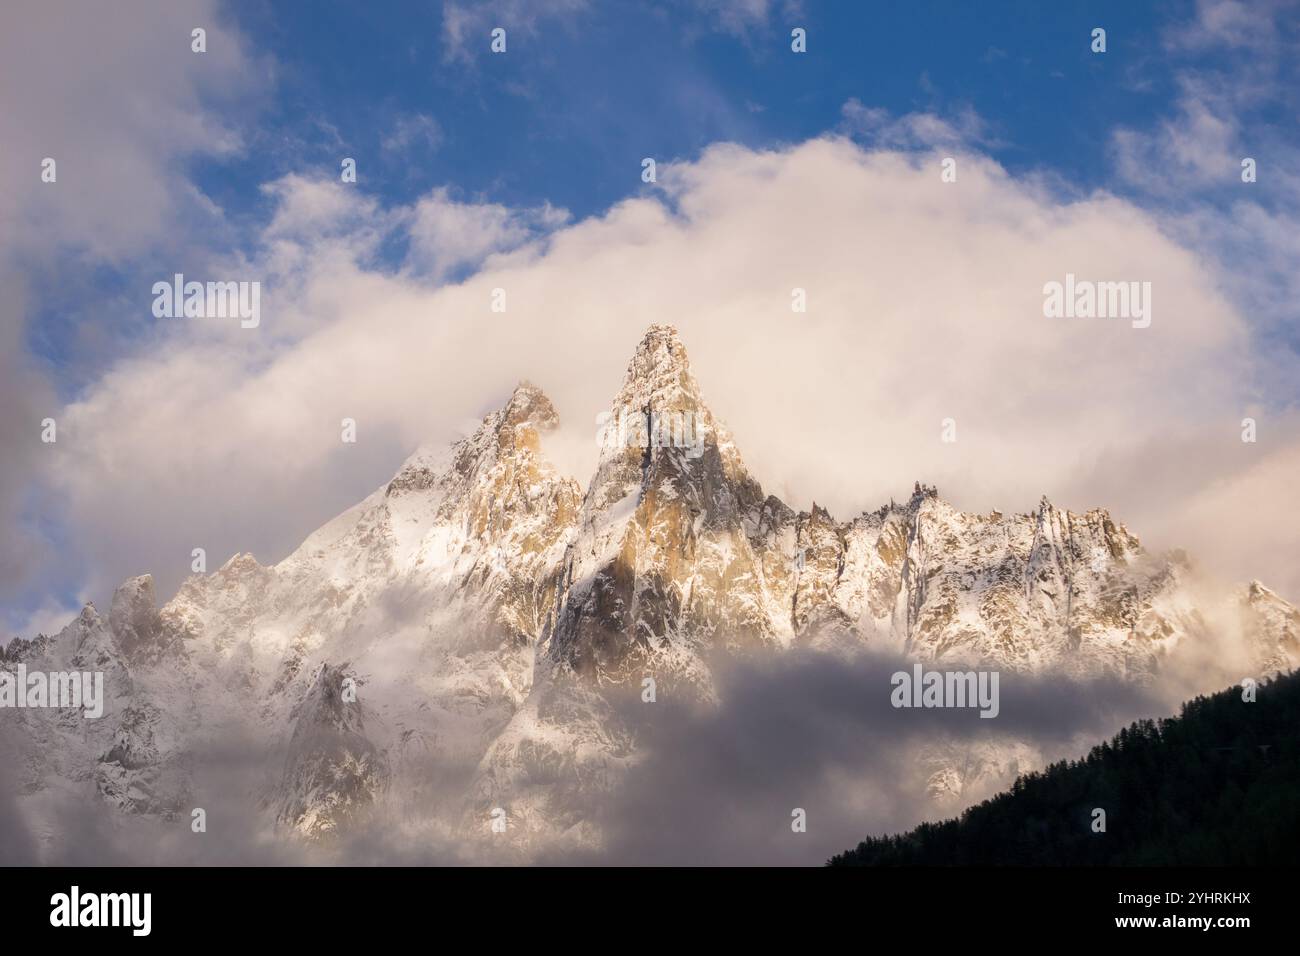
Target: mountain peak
135, 621
657, 420
528, 405
496, 615
660, 372
659, 333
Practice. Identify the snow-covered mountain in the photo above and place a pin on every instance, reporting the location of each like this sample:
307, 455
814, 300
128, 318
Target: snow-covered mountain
456, 652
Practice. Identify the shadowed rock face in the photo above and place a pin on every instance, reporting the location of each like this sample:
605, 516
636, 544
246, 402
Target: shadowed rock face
667, 557
1271, 625
137, 625
678, 554
333, 773
497, 618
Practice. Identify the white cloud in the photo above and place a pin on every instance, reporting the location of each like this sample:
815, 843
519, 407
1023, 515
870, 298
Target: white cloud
447, 236
1188, 165
415, 130
1215, 120
1199, 146
925, 302
127, 102
120, 104
467, 25
1232, 24
878, 127
738, 17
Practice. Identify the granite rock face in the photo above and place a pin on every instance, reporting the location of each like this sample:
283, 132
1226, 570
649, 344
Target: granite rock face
457, 649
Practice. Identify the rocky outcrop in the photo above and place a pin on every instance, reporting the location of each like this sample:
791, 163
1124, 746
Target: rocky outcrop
497, 619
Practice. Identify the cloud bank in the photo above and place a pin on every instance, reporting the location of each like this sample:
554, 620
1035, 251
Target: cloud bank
924, 303
123, 107
803, 730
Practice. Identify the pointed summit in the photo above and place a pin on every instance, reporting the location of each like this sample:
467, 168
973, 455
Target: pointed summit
659, 375
136, 623
528, 404
496, 618
506, 433
662, 563
658, 429
659, 356
498, 477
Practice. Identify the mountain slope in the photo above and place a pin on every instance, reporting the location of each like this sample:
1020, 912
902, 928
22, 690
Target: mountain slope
1218, 785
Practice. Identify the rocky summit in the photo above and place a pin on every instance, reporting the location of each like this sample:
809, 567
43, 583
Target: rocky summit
449, 655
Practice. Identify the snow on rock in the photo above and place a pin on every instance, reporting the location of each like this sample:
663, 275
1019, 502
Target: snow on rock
456, 643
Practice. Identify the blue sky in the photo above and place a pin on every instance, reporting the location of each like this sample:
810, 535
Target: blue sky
563, 120
584, 93
568, 112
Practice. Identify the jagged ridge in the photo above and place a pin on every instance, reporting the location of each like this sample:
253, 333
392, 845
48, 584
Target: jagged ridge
490, 610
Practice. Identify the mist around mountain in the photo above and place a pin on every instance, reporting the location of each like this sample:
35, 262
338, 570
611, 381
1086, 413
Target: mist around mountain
486, 661
1218, 785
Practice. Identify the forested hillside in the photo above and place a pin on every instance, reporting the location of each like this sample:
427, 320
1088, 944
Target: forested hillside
1217, 785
